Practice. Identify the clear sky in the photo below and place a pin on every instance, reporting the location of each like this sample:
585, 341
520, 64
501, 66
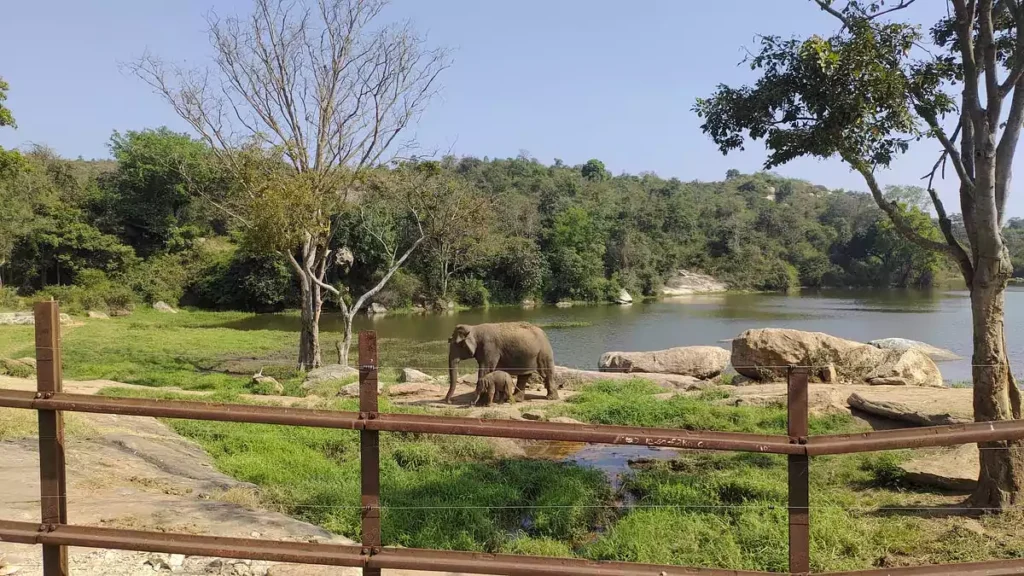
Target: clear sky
569, 79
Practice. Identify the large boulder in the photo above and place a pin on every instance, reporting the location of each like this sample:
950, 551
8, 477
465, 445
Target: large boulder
765, 354
265, 385
164, 307
25, 319
935, 353
697, 361
685, 283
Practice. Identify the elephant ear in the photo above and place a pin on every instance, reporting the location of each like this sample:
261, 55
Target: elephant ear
464, 335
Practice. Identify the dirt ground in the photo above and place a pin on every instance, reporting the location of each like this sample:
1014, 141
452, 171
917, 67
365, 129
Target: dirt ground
134, 472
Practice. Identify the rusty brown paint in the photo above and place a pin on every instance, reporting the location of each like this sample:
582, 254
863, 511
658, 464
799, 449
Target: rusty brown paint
369, 448
190, 544
990, 568
799, 483
929, 436
52, 470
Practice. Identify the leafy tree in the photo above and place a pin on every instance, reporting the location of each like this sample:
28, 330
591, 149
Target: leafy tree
575, 253
6, 118
318, 91
863, 94
909, 197
147, 200
593, 170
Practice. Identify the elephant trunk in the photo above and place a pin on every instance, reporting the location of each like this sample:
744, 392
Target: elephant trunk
453, 375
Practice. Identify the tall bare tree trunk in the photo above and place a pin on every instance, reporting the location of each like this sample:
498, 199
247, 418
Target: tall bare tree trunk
996, 397
309, 331
345, 343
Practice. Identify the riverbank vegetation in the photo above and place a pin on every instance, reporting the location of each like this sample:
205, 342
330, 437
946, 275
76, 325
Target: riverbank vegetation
107, 235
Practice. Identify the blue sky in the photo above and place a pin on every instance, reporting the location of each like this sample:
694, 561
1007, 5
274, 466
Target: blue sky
569, 79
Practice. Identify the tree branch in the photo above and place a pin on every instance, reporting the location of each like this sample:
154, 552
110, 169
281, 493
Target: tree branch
826, 5
892, 209
949, 148
957, 249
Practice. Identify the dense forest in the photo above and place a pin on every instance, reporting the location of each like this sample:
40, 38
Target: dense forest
147, 226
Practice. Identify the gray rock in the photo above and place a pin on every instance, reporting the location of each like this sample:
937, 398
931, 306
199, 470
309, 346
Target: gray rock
164, 307
265, 385
888, 381
902, 344
157, 562
528, 303
375, 309
176, 560
697, 361
97, 315
623, 297
765, 354
25, 319
563, 304
328, 373
411, 388
411, 375
685, 283
919, 415
533, 415
352, 390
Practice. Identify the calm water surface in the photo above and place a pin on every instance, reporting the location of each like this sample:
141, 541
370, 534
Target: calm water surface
941, 318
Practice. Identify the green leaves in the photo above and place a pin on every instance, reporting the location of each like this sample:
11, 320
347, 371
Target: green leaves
6, 118
850, 95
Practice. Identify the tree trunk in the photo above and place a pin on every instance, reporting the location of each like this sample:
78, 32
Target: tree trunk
996, 396
309, 332
345, 343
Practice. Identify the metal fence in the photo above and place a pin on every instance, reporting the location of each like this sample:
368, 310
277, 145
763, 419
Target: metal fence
55, 534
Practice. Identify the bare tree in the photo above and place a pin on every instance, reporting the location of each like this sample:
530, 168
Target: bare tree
317, 88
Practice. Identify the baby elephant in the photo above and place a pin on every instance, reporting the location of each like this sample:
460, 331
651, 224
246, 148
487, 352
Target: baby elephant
495, 383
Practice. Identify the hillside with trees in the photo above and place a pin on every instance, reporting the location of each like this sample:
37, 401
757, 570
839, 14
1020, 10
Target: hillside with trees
151, 225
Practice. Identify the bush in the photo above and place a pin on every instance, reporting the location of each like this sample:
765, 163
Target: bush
516, 272
94, 292
165, 277
470, 292
400, 291
244, 281
9, 299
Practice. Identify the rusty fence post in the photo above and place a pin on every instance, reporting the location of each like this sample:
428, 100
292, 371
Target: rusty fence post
799, 482
52, 473
369, 447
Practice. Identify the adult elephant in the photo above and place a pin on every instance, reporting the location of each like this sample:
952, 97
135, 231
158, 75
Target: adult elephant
519, 348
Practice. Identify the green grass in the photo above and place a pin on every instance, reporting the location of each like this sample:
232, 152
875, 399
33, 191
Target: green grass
633, 403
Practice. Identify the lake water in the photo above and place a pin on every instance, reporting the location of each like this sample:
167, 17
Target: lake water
941, 318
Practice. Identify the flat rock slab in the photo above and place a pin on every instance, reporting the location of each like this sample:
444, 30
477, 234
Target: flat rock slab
916, 406
953, 469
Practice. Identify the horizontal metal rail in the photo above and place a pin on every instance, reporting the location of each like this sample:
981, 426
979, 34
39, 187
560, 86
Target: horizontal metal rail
991, 568
601, 434
216, 411
176, 543
334, 554
951, 435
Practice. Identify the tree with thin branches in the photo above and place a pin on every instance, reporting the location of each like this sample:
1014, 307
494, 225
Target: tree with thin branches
299, 102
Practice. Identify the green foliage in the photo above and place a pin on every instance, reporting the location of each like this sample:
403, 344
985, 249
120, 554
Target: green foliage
6, 118
152, 200
245, 281
470, 292
401, 292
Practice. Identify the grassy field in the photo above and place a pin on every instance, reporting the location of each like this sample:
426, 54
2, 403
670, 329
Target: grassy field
719, 510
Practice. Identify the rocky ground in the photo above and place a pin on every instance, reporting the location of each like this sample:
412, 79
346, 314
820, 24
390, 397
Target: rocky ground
132, 472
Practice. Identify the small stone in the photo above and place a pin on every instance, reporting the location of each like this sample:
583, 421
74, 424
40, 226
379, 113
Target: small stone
97, 315
241, 570
254, 534
214, 566
176, 560
9, 570
265, 385
411, 375
887, 381
164, 307
563, 304
157, 562
533, 415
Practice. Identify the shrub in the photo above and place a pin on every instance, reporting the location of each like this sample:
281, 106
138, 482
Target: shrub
470, 292
244, 281
9, 298
400, 291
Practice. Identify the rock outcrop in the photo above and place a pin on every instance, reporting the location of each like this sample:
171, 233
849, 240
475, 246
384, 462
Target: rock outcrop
700, 362
375, 309
623, 298
265, 385
164, 307
935, 353
97, 315
25, 319
765, 354
685, 283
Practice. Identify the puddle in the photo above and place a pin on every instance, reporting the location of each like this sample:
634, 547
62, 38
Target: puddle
612, 459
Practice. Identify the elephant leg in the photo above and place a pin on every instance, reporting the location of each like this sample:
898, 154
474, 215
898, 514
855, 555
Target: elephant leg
490, 396
521, 382
548, 375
